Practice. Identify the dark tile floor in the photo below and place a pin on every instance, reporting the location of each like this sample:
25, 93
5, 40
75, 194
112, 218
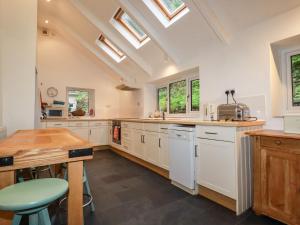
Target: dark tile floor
128, 194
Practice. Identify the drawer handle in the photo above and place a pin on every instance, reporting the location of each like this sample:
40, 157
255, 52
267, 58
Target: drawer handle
178, 135
213, 133
278, 142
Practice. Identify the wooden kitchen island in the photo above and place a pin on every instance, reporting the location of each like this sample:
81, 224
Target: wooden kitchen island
41, 147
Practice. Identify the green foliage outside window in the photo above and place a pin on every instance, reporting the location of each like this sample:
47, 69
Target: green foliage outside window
162, 99
195, 95
177, 97
78, 99
295, 71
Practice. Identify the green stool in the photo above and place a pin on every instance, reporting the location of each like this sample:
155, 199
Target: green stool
32, 198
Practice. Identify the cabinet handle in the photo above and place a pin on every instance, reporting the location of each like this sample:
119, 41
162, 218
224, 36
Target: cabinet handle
278, 142
144, 139
90, 132
159, 143
214, 133
196, 151
178, 135
141, 138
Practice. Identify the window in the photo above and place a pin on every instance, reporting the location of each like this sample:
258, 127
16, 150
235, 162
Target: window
167, 11
107, 46
162, 94
79, 98
178, 97
130, 29
295, 79
195, 95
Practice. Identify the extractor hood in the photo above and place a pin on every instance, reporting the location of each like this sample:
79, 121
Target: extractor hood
124, 87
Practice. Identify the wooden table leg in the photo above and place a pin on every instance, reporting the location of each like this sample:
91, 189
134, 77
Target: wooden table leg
6, 179
75, 198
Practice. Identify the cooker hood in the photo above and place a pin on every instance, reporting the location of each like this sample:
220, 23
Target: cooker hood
124, 87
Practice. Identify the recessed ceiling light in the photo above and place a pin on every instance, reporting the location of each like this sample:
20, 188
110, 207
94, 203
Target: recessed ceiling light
46, 21
48, 0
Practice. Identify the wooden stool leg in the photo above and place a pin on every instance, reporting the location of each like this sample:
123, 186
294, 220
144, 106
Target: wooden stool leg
75, 199
16, 220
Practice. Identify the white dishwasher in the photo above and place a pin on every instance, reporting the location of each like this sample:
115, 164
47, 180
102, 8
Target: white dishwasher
182, 157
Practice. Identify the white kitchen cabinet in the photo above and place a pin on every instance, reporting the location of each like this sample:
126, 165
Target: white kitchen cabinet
164, 151
138, 147
99, 135
216, 166
82, 132
151, 142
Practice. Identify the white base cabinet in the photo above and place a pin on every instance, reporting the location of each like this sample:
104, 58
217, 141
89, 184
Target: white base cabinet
96, 132
216, 166
164, 151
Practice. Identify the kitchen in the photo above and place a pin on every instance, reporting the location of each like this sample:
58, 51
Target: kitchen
167, 111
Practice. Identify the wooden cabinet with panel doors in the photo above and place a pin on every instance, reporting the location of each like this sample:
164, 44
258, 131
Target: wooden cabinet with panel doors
277, 175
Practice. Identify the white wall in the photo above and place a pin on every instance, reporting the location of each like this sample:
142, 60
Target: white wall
18, 22
63, 64
246, 65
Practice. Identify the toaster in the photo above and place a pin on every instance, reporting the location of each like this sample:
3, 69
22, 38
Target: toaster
233, 112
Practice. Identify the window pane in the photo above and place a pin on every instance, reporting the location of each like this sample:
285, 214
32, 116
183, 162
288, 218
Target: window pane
195, 95
177, 97
78, 99
295, 70
162, 99
133, 26
172, 5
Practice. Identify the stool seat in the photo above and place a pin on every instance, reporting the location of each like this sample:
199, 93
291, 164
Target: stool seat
32, 194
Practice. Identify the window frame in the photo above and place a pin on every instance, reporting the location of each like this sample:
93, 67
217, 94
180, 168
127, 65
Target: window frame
91, 93
118, 18
169, 15
112, 47
288, 81
189, 112
190, 94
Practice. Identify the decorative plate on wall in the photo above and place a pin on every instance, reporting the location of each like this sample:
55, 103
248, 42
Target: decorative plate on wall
52, 92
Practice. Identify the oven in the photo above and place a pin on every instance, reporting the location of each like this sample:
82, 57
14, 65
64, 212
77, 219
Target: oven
116, 132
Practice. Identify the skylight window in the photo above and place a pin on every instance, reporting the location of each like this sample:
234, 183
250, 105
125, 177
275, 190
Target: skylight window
107, 46
129, 28
167, 11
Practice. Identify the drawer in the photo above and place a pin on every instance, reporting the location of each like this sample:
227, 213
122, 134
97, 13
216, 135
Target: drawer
154, 127
57, 124
126, 125
98, 123
78, 124
137, 126
163, 128
280, 143
216, 133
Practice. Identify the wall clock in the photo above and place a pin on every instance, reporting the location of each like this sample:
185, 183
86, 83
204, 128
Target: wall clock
52, 92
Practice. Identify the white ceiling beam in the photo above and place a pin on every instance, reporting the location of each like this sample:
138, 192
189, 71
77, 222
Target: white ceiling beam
103, 28
153, 34
211, 19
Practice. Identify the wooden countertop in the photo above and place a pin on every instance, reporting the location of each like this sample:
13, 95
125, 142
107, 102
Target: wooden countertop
46, 146
182, 121
198, 122
274, 133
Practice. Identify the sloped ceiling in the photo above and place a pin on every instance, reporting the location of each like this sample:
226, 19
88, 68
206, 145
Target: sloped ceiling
178, 46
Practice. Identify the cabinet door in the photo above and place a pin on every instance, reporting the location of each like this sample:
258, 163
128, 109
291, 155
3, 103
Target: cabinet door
151, 142
138, 145
82, 132
164, 152
216, 167
280, 184
99, 135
